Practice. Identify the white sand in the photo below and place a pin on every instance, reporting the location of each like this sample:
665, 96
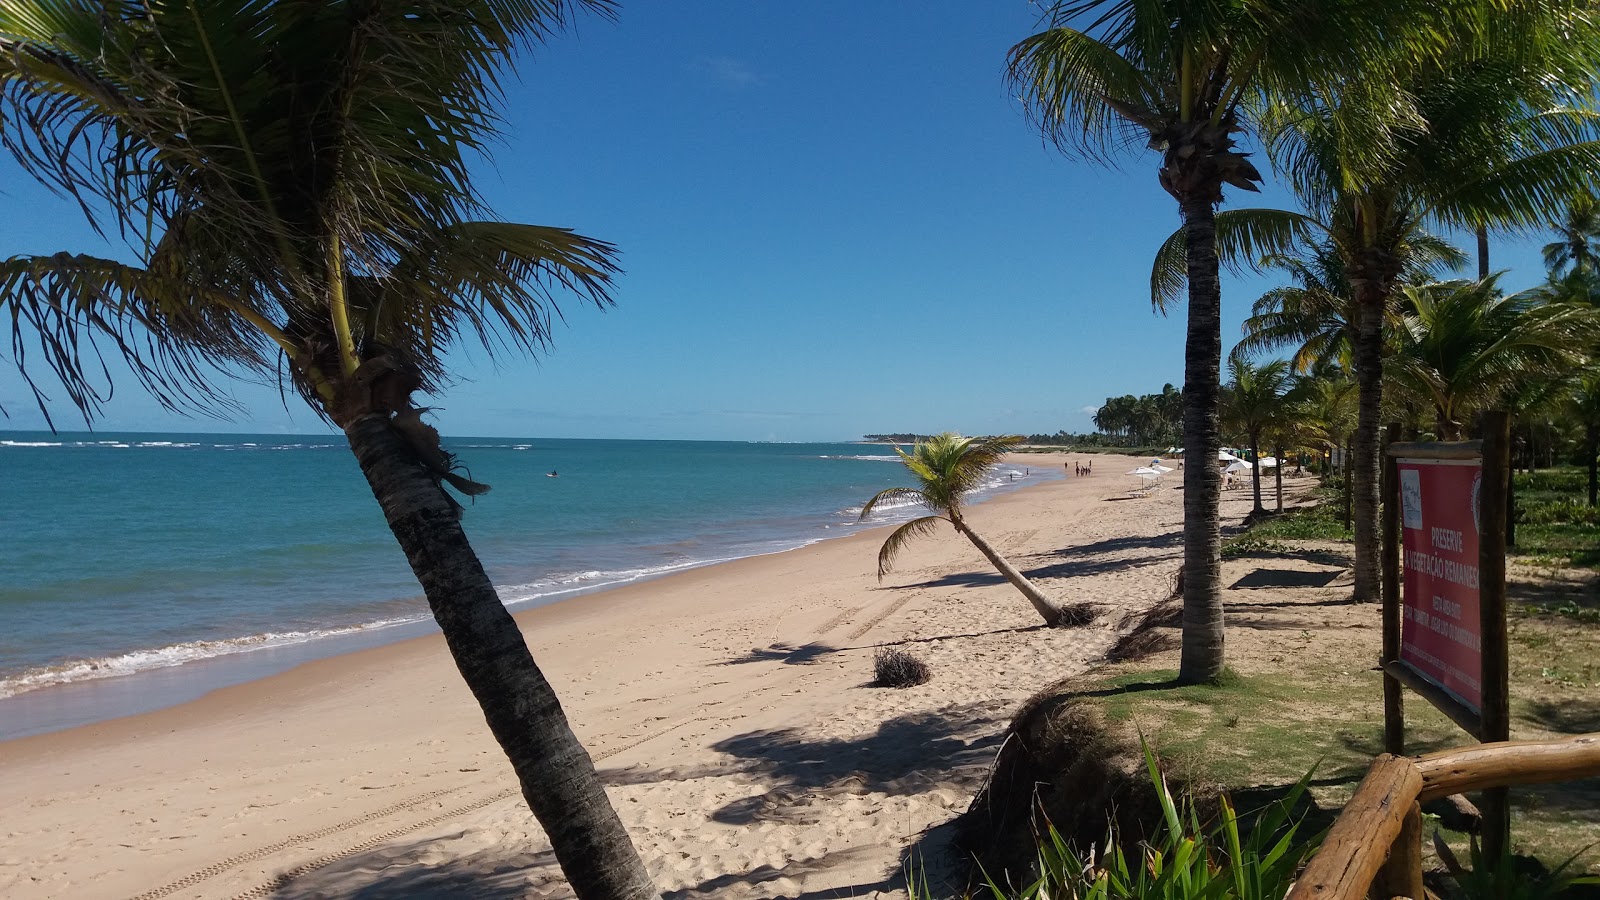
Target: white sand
726, 708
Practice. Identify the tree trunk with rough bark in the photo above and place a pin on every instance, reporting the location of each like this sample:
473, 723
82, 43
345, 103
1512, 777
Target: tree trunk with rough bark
1255, 472
1202, 656
1365, 467
1346, 455
1049, 609
1278, 475
557, 777
1591, 447
1483, 252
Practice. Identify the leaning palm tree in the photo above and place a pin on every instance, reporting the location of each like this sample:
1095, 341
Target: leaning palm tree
1252, 402
293, 182
1461, 344
948, 467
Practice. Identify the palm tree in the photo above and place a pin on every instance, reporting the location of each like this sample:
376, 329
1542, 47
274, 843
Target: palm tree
1461, 344
1495, 131
1315, 315
1577, 232
1583, 404
947, 468
1253, 402
1176, 76
293, 181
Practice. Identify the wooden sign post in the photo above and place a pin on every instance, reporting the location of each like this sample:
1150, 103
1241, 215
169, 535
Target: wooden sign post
1444, 636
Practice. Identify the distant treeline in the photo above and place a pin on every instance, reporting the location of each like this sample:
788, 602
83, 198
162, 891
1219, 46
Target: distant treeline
895, 438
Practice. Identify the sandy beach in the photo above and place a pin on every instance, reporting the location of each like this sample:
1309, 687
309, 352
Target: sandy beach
726, 708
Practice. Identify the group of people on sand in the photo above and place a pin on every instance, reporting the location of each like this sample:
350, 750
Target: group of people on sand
1082, 468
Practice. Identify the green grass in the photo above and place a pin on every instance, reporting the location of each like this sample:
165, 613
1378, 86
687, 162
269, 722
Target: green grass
1314, 523
1556, 526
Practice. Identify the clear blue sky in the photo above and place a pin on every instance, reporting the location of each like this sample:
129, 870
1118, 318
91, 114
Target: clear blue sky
834, 220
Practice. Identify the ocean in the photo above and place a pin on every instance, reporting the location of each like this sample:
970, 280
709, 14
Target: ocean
140, 570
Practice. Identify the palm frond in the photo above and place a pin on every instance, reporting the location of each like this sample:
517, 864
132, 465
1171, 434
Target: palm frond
174, 339
1244, 237
900, 537
894, 493
1085, 97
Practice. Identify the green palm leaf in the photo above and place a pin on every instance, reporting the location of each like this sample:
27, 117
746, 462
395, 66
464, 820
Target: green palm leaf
900, 537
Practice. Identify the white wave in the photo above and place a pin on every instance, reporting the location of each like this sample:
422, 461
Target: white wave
171, 655
593, 579
29, 444
869, 458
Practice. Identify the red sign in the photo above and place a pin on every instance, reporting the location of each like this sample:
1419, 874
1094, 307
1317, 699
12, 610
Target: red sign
1441, 635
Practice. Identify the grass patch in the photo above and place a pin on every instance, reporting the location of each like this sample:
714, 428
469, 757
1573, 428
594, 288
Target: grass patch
1556, 526
1309, 523
1308, 694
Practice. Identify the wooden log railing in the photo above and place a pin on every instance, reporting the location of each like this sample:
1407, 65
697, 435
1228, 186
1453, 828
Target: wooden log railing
1376, 841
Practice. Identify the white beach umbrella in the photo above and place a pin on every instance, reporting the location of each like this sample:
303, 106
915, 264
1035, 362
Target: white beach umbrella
1225, 456
1145, 472
1268, 462
1163, 469
1238, 465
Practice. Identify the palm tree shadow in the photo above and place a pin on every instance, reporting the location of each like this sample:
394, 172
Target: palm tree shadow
784, 653
904, 755
396, 872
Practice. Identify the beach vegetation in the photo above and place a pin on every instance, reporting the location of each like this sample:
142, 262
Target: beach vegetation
1184, 857
1252, 402
947, 468
1459, 346
1183, 79
1492, 130
293, 183
1576, 249
1146, 420
895, 668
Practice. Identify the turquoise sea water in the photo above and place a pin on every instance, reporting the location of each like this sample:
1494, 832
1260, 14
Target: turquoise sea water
143, 553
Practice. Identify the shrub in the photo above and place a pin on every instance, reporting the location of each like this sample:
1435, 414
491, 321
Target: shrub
898, 669
1182, 860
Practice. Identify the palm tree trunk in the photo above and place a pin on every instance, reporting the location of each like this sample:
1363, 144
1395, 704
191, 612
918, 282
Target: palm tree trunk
1202, 655
557, 777
1042, 604
1591, 447
1348, 490
1278, 474
1365, 466
1255, 472
1483, 252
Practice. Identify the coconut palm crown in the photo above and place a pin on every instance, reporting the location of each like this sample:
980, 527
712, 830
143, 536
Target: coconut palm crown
1460, 344
947, 468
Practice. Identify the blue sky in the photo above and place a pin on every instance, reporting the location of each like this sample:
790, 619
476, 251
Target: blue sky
833, 220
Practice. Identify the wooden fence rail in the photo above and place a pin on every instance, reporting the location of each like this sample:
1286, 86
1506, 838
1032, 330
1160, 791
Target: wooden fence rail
1376, 841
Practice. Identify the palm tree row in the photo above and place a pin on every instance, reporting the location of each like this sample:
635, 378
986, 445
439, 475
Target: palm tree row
1379, 116
1455, 348
1144, 420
